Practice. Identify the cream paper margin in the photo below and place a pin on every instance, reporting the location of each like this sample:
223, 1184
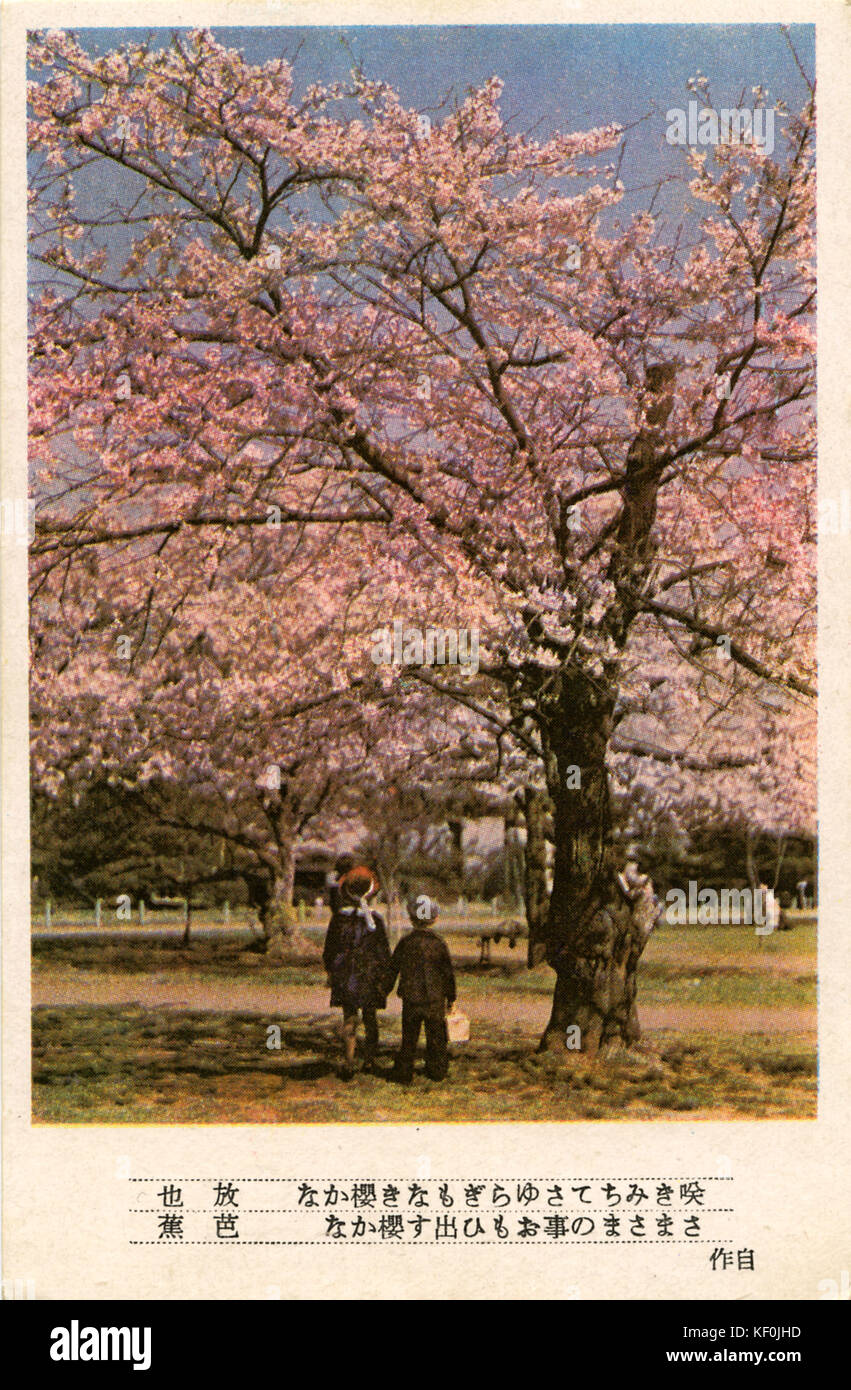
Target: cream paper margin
64, 1196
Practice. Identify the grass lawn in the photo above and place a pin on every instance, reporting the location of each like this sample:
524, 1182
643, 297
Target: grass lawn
687, 965
124, 1063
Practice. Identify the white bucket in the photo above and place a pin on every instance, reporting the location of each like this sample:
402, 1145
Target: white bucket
457, 1026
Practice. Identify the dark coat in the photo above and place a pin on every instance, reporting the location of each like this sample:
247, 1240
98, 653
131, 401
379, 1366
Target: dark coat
424, 967
357, 960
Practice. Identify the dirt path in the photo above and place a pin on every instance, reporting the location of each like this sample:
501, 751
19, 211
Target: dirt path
515, 1012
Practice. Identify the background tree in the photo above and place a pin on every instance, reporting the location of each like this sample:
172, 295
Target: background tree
211, 687
99, 841
443, 335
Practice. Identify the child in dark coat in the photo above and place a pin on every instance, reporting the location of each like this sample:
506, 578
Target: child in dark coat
427, 987
356, 957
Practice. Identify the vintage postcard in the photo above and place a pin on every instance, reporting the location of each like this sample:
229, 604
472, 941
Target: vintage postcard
425, 651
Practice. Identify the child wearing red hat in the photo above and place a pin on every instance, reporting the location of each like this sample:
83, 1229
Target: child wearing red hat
356, 957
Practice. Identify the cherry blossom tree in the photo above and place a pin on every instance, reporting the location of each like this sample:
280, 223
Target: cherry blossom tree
452, 338
226, 690
220, 680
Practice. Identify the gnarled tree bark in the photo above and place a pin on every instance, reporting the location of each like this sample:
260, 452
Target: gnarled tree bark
592, 939
272, 896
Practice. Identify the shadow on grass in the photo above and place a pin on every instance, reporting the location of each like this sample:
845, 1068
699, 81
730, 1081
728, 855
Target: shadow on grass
308, 1071
202, 957
96, 1064
148, 1045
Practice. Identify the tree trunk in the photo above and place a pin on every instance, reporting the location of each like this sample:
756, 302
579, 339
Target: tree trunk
512, 865
535, 890
390, 893
750, 862
592, 936
455, 826
594, 1006
778, 863
277, 914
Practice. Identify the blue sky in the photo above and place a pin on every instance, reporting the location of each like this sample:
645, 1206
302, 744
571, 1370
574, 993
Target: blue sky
556, 76
566, 74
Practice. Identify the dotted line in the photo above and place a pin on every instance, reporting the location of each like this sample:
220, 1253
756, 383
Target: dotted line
409, 1178
458, 1211
468, 1241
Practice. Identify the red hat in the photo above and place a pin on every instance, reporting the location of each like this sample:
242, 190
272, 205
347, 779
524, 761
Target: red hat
358, 883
